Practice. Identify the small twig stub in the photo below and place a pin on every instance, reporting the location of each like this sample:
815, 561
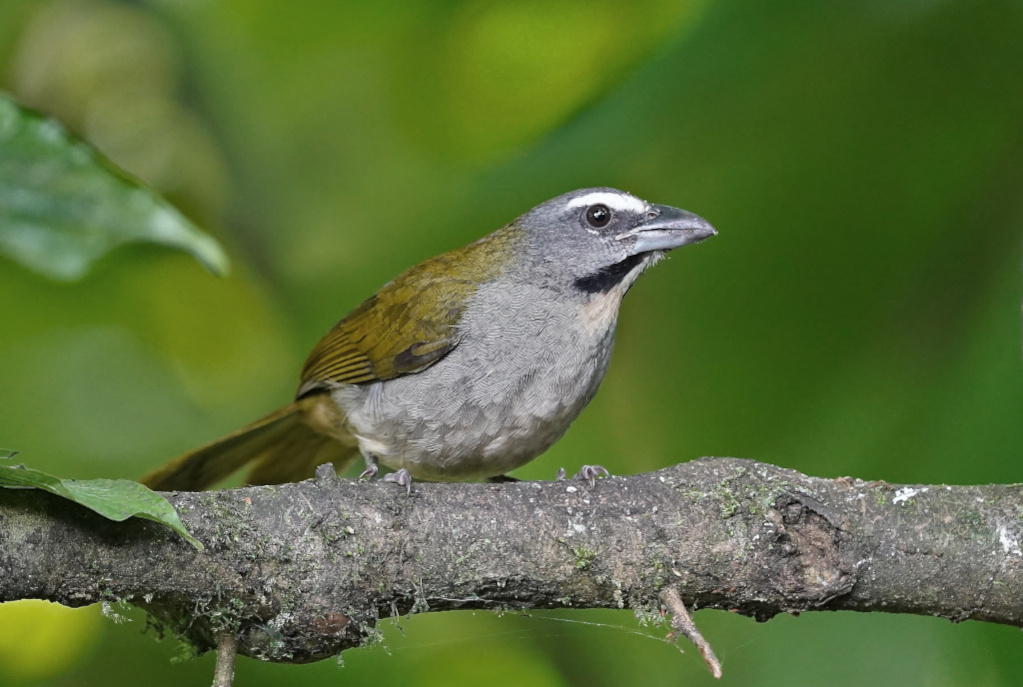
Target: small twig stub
227, 650
682, 623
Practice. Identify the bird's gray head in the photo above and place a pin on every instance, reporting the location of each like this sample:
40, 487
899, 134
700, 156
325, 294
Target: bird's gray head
599, 238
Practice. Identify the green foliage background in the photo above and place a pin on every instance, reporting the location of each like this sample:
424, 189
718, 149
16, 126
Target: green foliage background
859, 313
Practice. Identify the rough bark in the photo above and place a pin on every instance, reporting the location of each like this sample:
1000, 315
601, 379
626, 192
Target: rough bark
302, 571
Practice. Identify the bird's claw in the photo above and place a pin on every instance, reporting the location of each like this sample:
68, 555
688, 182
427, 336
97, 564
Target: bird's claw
590, 473
370, 472
402, 478
560, 475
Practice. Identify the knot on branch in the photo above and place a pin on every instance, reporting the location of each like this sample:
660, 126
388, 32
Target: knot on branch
304, 634
809, 566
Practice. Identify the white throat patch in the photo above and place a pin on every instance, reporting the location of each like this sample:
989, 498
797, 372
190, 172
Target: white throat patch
615, 201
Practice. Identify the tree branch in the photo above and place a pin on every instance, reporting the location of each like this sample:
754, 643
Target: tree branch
302, 571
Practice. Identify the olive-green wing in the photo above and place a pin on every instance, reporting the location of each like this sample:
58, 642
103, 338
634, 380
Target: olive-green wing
412, 322
407, 326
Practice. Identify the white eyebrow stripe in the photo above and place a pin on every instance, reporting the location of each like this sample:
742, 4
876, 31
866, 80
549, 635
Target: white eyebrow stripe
615, 201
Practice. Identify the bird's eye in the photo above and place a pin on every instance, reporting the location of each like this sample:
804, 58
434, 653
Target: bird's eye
598, 215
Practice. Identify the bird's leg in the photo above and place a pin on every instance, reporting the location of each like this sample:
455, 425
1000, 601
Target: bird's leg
401, 477
590, 473
587, 473
371, 467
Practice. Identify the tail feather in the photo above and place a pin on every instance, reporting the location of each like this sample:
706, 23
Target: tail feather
282, 445
297, 455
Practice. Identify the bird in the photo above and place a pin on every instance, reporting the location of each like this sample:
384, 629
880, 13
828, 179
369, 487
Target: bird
467, 365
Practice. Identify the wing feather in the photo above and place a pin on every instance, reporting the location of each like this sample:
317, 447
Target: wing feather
411, 323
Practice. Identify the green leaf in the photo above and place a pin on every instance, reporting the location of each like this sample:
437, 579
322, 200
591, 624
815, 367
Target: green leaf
115, 499
7, 453
63, 205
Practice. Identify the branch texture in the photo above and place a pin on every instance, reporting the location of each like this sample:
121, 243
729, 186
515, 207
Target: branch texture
302, 571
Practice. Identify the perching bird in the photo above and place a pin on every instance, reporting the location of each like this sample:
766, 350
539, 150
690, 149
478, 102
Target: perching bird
469, 364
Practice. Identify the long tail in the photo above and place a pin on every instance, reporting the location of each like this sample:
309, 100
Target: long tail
283, 447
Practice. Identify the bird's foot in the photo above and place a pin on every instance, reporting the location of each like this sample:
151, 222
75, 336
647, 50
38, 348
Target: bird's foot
371, 468
587, 473
402, 478
590, 473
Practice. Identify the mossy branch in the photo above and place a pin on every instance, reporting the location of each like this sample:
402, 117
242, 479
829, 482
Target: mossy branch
303, 571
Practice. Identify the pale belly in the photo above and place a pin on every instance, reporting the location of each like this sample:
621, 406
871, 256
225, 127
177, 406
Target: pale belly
485, 409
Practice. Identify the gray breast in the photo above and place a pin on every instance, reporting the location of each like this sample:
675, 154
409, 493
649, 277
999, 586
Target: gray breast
526, 365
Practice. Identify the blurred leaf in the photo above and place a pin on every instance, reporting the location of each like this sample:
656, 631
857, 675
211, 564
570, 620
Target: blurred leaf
488, 78
7, 453
63, 206
114, 499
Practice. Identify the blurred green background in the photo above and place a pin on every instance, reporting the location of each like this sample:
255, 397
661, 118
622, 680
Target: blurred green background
859, 313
